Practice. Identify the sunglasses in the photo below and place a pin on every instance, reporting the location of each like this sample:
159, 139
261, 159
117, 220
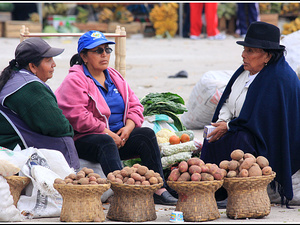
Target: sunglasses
101, 50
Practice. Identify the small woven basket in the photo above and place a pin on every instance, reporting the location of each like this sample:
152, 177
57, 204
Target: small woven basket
16, 185
196, 199
81, 203
248, 196
132, 203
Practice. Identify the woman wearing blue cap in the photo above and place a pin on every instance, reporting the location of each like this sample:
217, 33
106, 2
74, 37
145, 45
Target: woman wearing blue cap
105, 113
259, 109
29, 114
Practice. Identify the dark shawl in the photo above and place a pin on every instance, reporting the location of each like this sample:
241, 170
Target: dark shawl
271, 112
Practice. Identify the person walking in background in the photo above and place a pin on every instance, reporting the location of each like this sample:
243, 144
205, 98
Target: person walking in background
186, 21
211, 19
247, 13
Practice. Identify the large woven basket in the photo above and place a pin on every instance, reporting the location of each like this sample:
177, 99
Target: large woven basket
16, 185
248, 197
196, 199
132, 203
81, 203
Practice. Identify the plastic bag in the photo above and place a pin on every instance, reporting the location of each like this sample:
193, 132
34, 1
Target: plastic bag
158, 122
204, 99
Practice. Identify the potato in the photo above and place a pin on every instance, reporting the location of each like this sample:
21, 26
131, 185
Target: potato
184, 177
101, 180
111, 177
194, 169
204, 169
213, 169
207, 177
68, 180
157, 174
218, 174
119, 176
153, 180
125, 179
136, 165
183, 166
174, 175
255, 170
262, 161
88, 171
243, 173
59, 181
130, 181
93, 174
224, 164
136, 176
118, 180
160, 180
247, 163
116, 172
267, 170
247, 155
224, 172
80, 175
124, 172
142, 170
237, 154
138, 182
93, 182
195, 161
149, 174
143, 178
72, 176
92, 178
233, 164
145, 182
196, 177
231, 173
83, 181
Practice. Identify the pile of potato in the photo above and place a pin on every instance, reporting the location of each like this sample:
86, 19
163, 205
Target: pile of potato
85, 176
245, 165
135, 175
195, 169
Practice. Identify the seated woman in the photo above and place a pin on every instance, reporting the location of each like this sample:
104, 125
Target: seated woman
105, 113
259, 109
29, 114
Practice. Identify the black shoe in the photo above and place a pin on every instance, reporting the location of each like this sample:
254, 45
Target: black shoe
164, 199
180, 74
222, 204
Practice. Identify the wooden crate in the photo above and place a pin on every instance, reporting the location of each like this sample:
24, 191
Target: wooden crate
269, 18
12, 27
130, 28
84, 27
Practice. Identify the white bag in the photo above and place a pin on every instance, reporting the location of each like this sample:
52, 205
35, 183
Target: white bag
204, 99
42, 167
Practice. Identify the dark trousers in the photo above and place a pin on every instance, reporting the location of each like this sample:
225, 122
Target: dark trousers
101, 148
246, 14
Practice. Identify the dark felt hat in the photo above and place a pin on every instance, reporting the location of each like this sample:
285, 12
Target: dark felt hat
262, 35
33, 48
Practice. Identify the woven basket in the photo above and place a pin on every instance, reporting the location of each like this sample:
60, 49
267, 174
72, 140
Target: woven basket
132, 203
81, 203
196, 199
248, 197
16, 185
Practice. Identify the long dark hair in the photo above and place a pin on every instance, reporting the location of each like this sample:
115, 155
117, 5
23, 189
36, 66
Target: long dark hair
276, 54
15, 66
76, 58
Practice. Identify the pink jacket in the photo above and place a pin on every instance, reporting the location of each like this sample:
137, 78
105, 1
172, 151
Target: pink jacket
86, 109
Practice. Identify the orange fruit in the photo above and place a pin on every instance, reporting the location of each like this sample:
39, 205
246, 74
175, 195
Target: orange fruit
174, 139
185, 138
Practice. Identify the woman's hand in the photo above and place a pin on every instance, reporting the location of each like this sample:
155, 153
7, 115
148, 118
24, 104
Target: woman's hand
216, 134
125, 131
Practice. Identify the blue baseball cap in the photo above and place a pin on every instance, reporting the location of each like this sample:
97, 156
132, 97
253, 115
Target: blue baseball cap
92, 39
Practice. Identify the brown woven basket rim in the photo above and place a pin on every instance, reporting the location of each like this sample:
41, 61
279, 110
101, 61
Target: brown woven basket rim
84, 186
196, 182
145, 187
263, 177
15, 177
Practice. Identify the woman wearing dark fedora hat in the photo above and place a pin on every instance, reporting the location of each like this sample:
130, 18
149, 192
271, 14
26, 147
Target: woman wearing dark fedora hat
259, 109
29, 114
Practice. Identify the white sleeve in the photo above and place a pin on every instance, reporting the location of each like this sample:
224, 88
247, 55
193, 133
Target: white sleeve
225, 114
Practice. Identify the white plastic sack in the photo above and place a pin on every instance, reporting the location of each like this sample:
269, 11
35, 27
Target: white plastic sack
42, 167
8, 211
158, 122
204, 99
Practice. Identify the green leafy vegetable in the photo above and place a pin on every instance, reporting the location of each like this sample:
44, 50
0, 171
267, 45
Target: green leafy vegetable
166, 103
